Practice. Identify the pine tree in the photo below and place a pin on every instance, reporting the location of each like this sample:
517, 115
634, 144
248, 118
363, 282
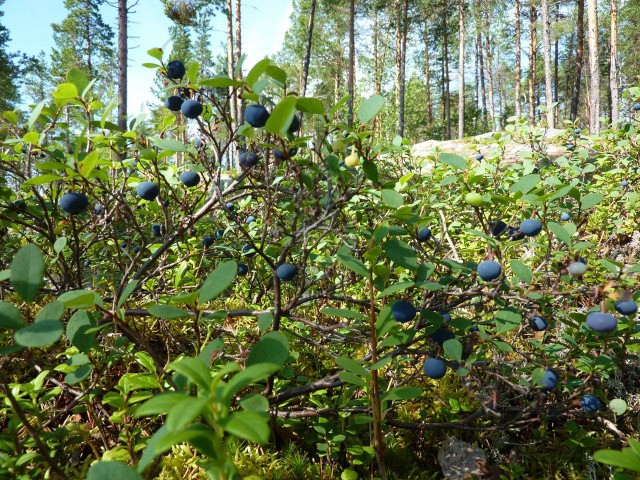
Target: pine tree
9, 71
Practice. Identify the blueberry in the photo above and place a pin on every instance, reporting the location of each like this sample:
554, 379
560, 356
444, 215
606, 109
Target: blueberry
256, 116
189, 178
498, 227
136, 249
435, 368
565, 217
295, 124
250, 219
442, 335
602, 322
286, 272
539, 324
147, 190
626, 307
191, 108
157, 230
174, 103
99, 209
424, 234
489, 270
624, 183
479, 157
446, 316
531, 227
247, 159
231, 207
219, 233
74, 203
175, 69
403, 311
549, 381
636, 107
243, 269
577, 269
207, 241
248, 250
590, 403
515, 234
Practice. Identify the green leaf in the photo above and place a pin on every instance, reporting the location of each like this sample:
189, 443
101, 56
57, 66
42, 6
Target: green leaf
370, 170
402, 393
78, 331
257, 70
80, 299
35, 113
59, 244
89, 163
159, 404
255, 403
348, 474
27, 271
452, 160
345, 258
618, 406
398, 287
391, 198
526, 183
368, 109
310, 105
352, 378
277, 74
42, 180
10, 317
560, 232
169, 144
155, 53
401, 253
354, 367
128, 290
246, 425
78, 375
251, 374
195, 370
168, 312
591, 200
453, 349
112, 471
192, 73
522, 271
265, 321
220, 81
623, 459
184, 412
218, 280
507, 320
66, 91
39, 334
51, 311
282, 116
271, 348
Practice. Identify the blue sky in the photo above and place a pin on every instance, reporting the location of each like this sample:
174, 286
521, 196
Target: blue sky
264, 24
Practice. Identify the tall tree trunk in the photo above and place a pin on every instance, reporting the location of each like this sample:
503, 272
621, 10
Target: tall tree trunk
461, 69
307, 52
447, 92
230, 68
427, 76
397, 7
476, 88
546, 39
87, 25
122, 64
575, 96
238, 57
376, 40
556, 78
483, 90
568, 79
403, 66
614, 79
518, 104
352, 59
594, 67
533, 45
487, 28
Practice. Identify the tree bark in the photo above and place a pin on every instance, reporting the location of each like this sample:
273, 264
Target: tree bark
427, 75
556, 76
614, 79
533, 45
594, 68
352, 59
122, 64
492, 113
546, 40
307, 52
238, 56
518, 104
461, 69
483, 89
403, 66
230, 67
575, 96
446, 91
